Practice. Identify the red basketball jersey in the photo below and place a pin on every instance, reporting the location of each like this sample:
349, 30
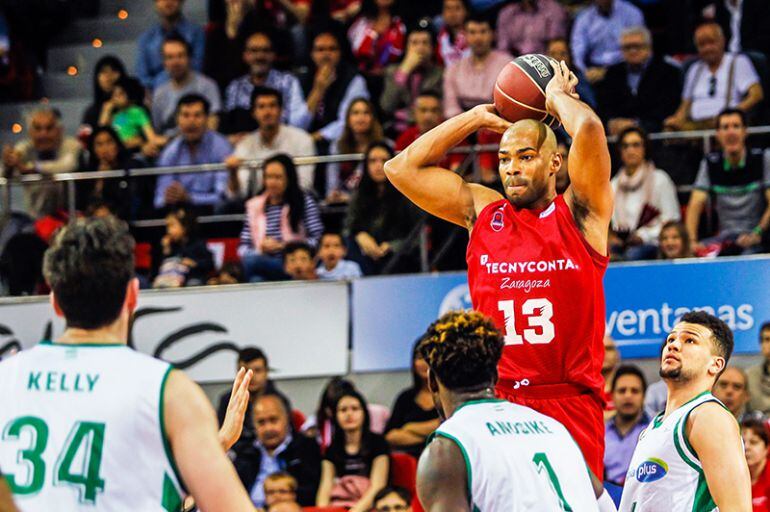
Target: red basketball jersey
541, 282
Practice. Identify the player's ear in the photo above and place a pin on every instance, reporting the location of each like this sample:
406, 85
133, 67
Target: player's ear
718, 364
55, 305
432, 381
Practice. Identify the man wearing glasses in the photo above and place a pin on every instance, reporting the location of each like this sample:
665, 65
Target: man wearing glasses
393, 499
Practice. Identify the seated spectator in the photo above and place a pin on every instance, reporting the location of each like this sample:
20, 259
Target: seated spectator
393, 499
739, 177
427, 114
452, 44
272, 137
595, 38
622, 431
196, 144
278, 214
417, 72
183, 80
355, 467
254, 359
331, 253
181, 259
320, 426
330, 85
277, 448
125, 112
743, 23
379, 218
413, 417
759, 374
756, 440
230, 273
674, 241
149, 61
361, 129
471, 80
223, 60
645, 198
259, 56
562, 175
107, 72
732, 389
280, 487
526, 27
610, 364
714, 82
21, 265
559, 50
46, 152
298, 263
642, 90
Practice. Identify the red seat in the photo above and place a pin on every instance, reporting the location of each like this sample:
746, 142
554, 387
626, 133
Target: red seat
297, 419
403, 473
143, 256
229, 248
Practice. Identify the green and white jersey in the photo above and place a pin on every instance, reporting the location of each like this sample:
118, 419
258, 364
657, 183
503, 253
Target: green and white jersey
665, 473
518, 460
82, 430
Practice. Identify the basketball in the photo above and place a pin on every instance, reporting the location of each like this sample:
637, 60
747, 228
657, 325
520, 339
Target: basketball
520, 89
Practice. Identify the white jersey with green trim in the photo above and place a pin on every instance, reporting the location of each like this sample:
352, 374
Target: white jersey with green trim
82, 429
665, 473
518, 460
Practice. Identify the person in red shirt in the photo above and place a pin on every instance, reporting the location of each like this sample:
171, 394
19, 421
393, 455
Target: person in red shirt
536, 259
756, 438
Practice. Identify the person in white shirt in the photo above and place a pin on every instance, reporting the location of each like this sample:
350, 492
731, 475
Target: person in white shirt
334, 266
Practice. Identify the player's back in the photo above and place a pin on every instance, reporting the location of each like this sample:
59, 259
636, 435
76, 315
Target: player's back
518, 459
82, 429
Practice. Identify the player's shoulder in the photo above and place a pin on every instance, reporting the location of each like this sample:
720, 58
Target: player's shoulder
712, 419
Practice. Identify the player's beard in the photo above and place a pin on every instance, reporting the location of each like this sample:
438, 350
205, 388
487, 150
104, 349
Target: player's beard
534, 192
675, 374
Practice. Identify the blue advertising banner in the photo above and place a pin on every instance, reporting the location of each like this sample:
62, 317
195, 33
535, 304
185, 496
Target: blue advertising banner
643, 302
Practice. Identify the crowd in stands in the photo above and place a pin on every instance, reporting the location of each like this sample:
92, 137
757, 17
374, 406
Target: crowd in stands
276, 80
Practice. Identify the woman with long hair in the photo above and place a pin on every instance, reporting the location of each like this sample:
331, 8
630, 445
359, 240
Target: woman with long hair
280, 213
320, 426
109, 70
674, 241
756, 440
356, 465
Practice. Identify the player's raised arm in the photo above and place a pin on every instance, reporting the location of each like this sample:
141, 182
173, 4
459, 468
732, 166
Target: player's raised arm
436, 190
442, 482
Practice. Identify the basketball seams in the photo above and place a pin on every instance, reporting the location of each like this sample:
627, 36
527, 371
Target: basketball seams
513, 100
528, 76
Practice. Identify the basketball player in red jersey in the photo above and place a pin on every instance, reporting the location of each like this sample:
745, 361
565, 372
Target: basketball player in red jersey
535, 259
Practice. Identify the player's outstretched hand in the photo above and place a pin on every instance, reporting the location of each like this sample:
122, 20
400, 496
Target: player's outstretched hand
232, 426
563, 80
490, 119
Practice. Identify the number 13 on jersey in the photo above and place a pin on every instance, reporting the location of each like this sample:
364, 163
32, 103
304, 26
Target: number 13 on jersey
539, 330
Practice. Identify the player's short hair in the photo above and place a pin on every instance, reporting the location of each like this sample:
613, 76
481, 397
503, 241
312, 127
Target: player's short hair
393, 489
282, 475
88, 268
629, 369
462, 348
249, 354
721, 333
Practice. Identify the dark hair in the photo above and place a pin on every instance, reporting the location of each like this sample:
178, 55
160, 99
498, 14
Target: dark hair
733, 112
347, 141
187, 218
720, 331
329, 396
402, 493
123, 153
265, 91
297, 245
88, 268
175, 37
430, 93
338, 438
683, 234
764, 327
367, 199
133, 89
293, 196
249, 354
369, 9
629, 369
333, 233
641, 133
108, 61
758, 425
462, 349
423, 25
480, 17
191, 99
233, 268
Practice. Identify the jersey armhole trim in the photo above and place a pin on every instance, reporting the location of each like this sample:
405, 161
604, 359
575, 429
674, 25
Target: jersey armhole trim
468, 470
163, 435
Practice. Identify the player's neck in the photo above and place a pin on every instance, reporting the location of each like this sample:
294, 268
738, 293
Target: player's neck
453, 401
679, 393
110, 335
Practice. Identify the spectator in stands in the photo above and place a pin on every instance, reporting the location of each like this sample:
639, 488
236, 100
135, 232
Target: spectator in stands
298, 262
361, 129
716, 81
674, 241
417, 72
47, 151
279, 214
330, 85
622, 431
333, 265
526, 27
355, 467
125, 112
183, 80
756, 440
320, 426
285, 506
610, 364
645, 198
744, 24
107, 72
559, 50
272, 137
471, 80
562, 175
223, 60
258, 55
280, 487
732, 389
642, 90
377, 38
393, 499
230, 273
740, 179
149, 62
426, 113
452, 43
278, 448
596, 35
413, 417
379, 218
196, 144
759, 374
181, 258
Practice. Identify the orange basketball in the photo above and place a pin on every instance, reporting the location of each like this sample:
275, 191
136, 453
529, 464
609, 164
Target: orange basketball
520, 89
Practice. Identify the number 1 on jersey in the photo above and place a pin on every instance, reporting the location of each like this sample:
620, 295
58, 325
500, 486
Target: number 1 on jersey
539, 313
541, 461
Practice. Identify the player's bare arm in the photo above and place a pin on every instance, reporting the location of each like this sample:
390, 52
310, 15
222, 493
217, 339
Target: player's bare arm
589, 196
440, 191
191, 427
715, 437
6, 502
442, 482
